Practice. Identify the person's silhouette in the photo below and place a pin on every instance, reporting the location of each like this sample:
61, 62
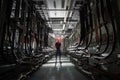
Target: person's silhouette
58, 51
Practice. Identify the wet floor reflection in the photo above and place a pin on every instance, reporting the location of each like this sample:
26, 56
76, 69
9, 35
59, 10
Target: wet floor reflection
53, 70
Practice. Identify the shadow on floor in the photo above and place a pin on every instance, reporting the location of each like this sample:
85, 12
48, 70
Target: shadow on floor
63, 70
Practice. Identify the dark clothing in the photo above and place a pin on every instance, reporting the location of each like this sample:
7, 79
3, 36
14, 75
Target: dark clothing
58, 52
57, 45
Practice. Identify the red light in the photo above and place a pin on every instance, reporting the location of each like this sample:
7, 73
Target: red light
58, 39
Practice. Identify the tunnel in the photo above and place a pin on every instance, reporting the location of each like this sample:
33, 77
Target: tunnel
59, 40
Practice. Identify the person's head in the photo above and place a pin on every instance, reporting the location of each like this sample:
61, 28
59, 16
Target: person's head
58, 39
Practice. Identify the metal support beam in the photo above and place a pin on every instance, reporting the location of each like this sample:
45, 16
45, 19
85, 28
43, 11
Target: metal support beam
59, 9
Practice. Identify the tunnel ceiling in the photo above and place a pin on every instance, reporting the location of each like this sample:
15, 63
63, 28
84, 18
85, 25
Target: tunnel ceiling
59, 14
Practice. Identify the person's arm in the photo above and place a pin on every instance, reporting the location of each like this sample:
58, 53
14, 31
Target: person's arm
60, 44
55, 45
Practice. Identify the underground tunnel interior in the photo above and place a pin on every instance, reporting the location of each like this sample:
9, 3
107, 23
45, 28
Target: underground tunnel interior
86, 33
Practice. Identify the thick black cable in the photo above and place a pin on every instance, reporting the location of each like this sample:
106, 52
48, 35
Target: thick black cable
110, 12
90, 24
105, 26
98, 19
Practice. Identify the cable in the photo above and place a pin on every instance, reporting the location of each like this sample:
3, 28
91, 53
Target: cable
106, 29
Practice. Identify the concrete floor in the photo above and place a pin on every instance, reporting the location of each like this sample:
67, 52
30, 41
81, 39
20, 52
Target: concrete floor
58, 71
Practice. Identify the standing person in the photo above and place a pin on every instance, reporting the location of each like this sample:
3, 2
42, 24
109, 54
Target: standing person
58, 51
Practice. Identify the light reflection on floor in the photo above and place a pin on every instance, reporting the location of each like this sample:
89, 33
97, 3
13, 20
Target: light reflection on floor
64, 63
53, 70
